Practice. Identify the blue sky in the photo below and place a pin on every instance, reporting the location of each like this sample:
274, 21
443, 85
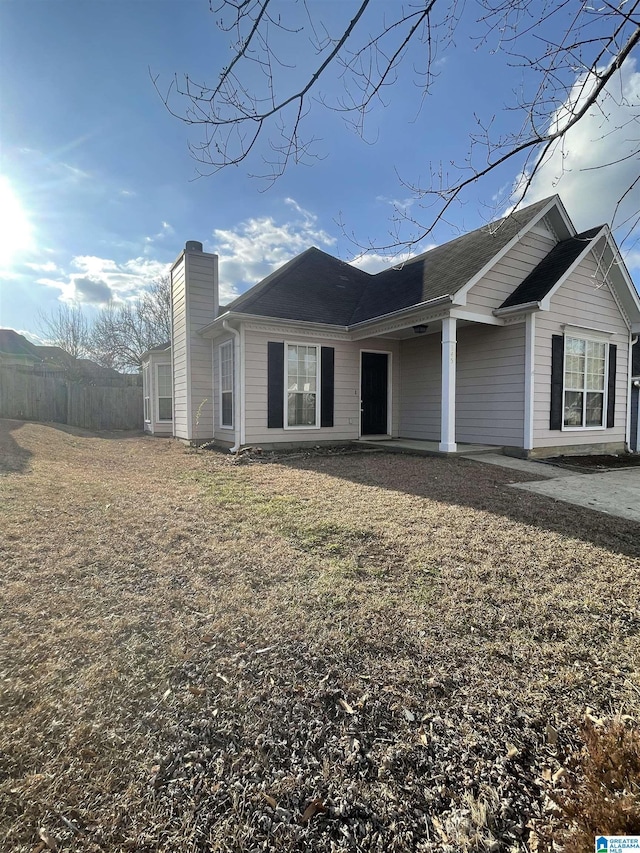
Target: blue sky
98, 192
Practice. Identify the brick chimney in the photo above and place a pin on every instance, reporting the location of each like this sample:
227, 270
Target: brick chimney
194, 304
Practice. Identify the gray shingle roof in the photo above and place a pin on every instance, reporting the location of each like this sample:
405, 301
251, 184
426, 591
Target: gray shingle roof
550, 269
13, 343
316, 287
441, 271
313, 287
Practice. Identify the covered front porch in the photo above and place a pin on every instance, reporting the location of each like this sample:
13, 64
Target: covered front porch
463, 386
427, 448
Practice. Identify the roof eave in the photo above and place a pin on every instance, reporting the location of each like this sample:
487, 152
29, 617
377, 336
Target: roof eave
216, 327
419, 306
517, 309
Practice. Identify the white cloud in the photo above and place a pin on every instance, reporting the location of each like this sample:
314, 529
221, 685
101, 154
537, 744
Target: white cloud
100, 280
256, 247
32, 337
166, 230
373, 262
48, 266
402, 205
598, 159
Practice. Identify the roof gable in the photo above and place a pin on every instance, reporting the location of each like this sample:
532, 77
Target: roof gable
442, 271
544, 277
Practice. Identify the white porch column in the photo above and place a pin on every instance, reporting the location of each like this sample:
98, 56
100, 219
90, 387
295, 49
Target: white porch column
448, 397
529, 378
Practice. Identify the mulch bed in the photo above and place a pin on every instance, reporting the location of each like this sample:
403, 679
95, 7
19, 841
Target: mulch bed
596, 464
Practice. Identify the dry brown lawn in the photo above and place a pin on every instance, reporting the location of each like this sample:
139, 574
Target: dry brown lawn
340, 652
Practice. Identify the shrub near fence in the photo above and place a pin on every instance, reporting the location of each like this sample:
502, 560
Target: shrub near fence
27, 396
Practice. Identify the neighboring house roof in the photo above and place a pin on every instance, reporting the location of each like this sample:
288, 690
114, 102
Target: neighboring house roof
13, 343
55, 354
316, 287
159, 348
550, 270
51, 357
90, 368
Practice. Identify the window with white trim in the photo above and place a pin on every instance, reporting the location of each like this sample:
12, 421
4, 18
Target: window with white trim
301, 382
165, 392
226, 384
145, 391
585, 370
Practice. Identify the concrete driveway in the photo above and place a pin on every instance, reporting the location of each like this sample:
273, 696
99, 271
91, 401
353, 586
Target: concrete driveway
614, 492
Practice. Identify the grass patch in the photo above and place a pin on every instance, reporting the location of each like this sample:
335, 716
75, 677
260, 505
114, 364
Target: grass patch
195, 655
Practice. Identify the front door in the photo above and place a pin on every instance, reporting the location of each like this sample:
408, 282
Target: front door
374, 393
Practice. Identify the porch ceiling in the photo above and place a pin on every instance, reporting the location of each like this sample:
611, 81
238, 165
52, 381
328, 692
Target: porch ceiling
434, 327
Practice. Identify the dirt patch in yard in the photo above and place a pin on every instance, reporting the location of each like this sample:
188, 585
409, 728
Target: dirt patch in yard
596, 464
341, 652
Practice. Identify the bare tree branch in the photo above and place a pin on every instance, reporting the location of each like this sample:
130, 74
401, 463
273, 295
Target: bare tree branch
66, 328
581, 49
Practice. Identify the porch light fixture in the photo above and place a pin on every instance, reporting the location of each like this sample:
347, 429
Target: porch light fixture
420, 329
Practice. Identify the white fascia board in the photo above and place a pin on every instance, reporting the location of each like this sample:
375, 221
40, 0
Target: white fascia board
475, 317
460, 297
216, 328
565, 216
408, 313
517, 309
545, 303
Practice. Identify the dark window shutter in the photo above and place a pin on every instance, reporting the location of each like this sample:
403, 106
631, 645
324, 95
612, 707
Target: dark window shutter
611, 389
326, 386
275, 384
557, 381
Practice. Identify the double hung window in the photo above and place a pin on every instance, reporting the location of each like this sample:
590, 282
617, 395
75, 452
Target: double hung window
226, 384
585, 370
145, 391
165, 392
302, 385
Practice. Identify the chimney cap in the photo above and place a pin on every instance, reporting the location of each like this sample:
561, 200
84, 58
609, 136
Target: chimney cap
193, 246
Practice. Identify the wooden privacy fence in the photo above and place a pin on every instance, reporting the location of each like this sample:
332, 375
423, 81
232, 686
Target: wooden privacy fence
27, 396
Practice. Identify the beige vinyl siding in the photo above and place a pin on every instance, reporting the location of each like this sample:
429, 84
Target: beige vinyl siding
583, 300
346, 390
194, 300
502, 279
201, 310
222, 433
179, 352
420, 387
490, 385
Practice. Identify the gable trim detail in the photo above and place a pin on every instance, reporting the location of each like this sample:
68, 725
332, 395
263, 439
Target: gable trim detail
460, 297
545, 303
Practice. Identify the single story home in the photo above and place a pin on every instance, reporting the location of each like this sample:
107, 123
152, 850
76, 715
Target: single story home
517, 335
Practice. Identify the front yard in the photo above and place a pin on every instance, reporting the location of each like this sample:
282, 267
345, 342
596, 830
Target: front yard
342, 652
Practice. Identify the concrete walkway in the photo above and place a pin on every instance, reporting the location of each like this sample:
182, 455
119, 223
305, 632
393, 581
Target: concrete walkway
616, 493
525, 466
